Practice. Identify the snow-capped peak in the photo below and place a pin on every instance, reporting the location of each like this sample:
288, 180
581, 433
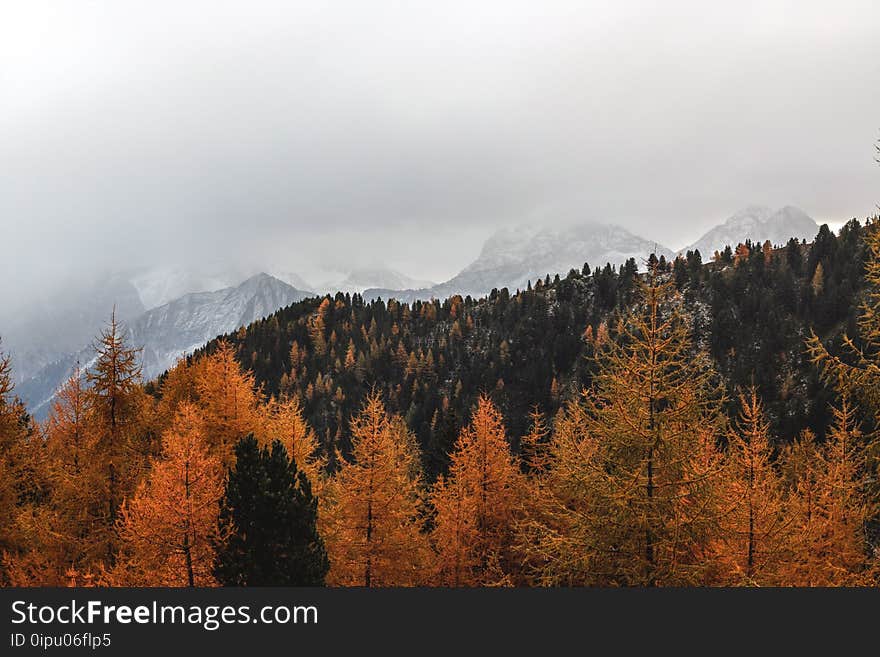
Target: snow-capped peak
159, 285
750, 215
514, 256
758, 224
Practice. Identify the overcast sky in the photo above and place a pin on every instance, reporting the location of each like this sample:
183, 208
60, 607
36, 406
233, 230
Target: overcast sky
322, 134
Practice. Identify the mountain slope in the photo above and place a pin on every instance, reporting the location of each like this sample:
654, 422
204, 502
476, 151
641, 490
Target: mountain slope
168, 332
758, 224
53, 327
514, 256
160, 285
186, 323
431, 361
293, 279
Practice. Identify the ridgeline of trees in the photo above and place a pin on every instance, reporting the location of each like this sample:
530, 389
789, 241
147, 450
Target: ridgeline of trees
750, 309
701, 424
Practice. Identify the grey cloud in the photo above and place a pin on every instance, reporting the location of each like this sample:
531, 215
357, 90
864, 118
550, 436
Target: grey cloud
358, 132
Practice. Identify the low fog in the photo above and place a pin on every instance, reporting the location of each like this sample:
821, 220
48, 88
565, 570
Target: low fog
325, 136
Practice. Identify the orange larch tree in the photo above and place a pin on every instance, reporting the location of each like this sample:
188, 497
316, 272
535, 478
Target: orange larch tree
802, 473
117, 402
831, 501
228, 400
75, 475
535, 445
9, 437
753, 543
284, 421
551, 539
634, 467
477, 505
371, 513
849, 496
176, 386
169, 528
22, 486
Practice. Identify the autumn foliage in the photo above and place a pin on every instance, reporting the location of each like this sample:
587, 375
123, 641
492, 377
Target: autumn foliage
633, 480
476, 505
374, 506
650, 473
754, 542
168, 529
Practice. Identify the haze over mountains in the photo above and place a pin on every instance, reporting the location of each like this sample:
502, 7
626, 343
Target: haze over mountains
159, 285
65, 321
514, 256
757, 223
358, 280
172, 310
172, 330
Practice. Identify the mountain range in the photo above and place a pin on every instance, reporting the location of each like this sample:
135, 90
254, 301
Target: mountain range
157, 286
170, 331
170, 311
758, 224
514, 256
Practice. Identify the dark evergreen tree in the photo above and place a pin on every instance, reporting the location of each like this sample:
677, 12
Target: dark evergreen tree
268, 518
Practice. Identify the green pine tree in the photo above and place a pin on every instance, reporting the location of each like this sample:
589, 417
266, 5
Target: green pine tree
268, 522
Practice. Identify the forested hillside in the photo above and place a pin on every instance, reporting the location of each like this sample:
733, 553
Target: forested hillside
534, 348
695, 424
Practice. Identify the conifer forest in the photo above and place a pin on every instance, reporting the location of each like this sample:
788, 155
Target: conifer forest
704, 420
